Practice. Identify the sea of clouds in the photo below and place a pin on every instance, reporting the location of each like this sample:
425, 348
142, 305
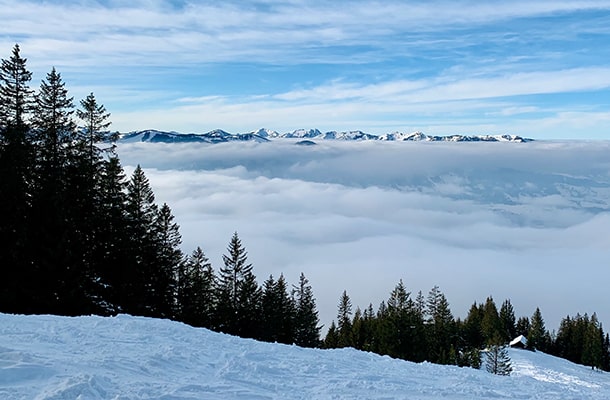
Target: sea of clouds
525, 221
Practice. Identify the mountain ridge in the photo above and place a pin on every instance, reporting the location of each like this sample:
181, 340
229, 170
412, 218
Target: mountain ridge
266, 135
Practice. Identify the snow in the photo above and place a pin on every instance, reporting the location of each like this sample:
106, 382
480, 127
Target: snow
124, 357
519, 339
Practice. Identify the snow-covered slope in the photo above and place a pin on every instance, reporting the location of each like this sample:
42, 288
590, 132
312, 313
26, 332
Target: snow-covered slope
47, 357
263, 135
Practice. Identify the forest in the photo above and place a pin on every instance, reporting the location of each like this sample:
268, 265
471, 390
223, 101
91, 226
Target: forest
79, 237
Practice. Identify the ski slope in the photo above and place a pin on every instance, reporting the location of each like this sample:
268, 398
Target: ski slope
57, 358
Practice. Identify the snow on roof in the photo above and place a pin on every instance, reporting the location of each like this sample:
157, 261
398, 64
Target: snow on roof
519, 339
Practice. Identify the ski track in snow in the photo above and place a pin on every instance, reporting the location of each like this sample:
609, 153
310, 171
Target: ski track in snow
124, 357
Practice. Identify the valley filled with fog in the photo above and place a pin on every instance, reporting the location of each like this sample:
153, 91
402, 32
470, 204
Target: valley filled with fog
525, 221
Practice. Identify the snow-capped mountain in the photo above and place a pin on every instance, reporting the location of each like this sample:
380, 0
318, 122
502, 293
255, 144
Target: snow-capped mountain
215, 136
134, 358
264, 135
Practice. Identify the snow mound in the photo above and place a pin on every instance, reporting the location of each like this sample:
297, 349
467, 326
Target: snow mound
124, 357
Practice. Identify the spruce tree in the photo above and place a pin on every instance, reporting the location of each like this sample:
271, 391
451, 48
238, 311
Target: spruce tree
95, 119
16, 97
497, 360
278, 312
536, 338
195, 293
16, 187
344, 324
508, 329
440, 327
163, 267
238, 294
306, 328
140, 214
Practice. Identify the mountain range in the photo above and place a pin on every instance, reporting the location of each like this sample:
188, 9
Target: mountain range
265, 135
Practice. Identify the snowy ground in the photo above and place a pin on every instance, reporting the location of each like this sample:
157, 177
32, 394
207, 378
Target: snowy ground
47, 357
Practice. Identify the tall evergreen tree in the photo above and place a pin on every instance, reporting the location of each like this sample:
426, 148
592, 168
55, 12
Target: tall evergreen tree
140, 214
536, 338
278, 312
508, 330
491, 324
196, 297
238, 294
344, 321
16, 185
306, 328
440, 327
163, 268
16, 97
96, 123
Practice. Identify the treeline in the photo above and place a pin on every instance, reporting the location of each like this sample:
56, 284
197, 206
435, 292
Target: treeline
423, 328
77, 237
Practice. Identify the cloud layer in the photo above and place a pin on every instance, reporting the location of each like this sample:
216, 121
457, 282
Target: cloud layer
521, 221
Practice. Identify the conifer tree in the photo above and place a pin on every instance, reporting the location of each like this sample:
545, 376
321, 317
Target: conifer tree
16, 97
16, 177
96, 123
331, 340
163, 267
508, 329
440, 327
140, 214
112, 250
306, 328
344, 321
278, 312
490, 321
196, 297
402, 329
238, 294
536, 338
497, 360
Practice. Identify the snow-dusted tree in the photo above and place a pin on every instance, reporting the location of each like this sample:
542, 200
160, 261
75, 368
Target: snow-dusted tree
497, 360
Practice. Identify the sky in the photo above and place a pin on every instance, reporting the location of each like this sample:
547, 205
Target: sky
521, 221
539, 69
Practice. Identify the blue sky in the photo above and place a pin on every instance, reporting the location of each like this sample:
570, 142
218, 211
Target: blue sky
539, 69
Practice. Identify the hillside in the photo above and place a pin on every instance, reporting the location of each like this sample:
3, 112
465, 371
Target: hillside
48, 357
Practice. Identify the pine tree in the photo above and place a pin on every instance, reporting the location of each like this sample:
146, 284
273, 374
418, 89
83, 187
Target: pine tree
440, 327
536, 338
163, 268
508, 329
490, 321
331, 341
95, 118
238, 294
16, 186
344, 321
112, 250
278, 312
306, 328
497, 360
16, 97
195, 293
140, 214
61, 242
402, 329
